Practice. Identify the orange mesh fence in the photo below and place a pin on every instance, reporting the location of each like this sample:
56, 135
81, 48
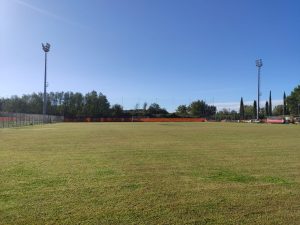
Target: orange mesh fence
136, 120
172, 119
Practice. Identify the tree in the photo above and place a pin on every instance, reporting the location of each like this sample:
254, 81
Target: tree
117, 110
155, 109
137, 106
182, 110
293, 101
102, 106
96, 105
278, 110
270, 104
197, 108
76, 104
254, 109
35, 104
242, 109
145, 108
200, 109
226, 114
67, 104
262, 113
267, 108
285, 109
248, 111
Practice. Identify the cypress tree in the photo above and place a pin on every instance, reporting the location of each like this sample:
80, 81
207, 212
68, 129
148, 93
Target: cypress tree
242, 109
267, 108
254, 109
270, 104
285, 111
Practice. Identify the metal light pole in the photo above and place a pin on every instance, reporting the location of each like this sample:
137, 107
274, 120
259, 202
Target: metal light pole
259, 64
46, 48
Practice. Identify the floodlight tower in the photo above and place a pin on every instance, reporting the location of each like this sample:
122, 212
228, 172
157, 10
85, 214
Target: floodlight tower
259, 64
46, 48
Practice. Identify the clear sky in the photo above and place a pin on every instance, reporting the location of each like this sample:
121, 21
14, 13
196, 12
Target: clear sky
166, 51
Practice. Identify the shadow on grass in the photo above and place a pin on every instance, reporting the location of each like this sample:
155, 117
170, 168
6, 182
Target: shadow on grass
224, 175
276, 180
102, 172
132, 186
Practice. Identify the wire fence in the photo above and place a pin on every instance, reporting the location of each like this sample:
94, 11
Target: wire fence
22, 119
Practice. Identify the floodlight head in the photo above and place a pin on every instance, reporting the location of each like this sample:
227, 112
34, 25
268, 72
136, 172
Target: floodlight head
46, 47
259, 63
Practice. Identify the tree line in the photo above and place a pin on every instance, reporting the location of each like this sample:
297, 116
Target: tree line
290, 106
95, 105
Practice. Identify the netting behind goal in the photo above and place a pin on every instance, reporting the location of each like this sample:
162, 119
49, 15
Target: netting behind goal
23, 119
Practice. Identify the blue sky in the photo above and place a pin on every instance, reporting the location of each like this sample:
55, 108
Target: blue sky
166, 51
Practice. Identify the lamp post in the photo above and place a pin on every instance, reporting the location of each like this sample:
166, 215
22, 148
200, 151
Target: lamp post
46, 48
259, 64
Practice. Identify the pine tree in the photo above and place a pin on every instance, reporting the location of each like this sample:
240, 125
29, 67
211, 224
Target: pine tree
242, 109
270, 104
254, 109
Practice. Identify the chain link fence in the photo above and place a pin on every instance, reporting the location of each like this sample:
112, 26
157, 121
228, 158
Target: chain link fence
22, 119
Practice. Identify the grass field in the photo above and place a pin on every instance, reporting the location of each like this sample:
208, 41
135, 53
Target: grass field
150, 173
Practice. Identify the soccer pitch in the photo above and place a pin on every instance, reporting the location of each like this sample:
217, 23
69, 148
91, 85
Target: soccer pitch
150, 173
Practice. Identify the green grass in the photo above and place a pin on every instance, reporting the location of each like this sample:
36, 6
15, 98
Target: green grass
150, 173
